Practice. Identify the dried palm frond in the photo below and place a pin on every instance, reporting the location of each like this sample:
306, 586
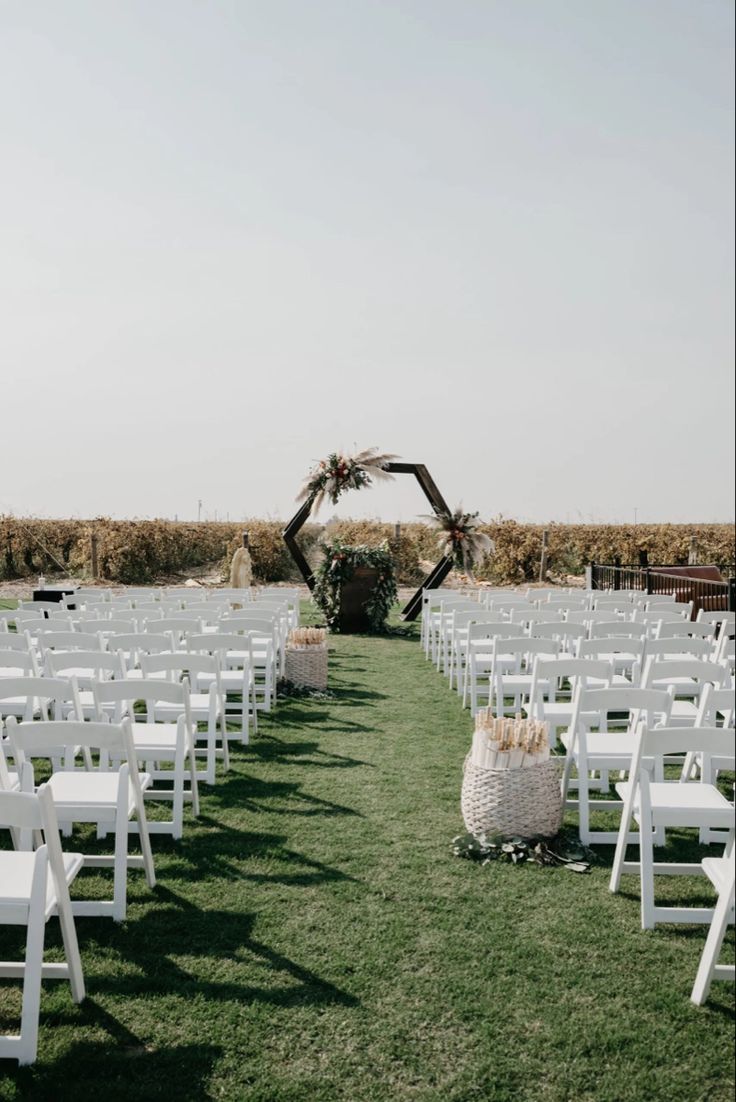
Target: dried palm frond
332, 476
459, 538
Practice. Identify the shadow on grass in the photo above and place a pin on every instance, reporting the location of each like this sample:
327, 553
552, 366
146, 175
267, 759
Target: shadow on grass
310, 720
221, 853
226, 940
254, 794
269, 748
93, 1070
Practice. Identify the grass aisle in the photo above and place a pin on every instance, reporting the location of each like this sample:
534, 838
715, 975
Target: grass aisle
311, 938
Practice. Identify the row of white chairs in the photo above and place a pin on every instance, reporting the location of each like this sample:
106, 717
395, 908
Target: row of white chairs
675, 690
79, 711
268, 630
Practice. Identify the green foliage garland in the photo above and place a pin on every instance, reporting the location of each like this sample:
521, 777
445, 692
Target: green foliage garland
339, 563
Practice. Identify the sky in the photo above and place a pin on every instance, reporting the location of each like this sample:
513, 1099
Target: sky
492, 236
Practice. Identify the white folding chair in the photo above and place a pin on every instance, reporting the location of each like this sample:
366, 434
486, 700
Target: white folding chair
264, 643
235, 655
157, 743
688, 677
205, 707
92, 795
480, 659
626, 654
656, 805
554, 683
615, 713
511, 675
34, 886
18, 663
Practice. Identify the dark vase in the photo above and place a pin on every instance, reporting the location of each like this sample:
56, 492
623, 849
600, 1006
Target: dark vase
354, 594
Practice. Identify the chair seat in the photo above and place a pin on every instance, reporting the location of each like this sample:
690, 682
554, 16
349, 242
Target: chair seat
717, 871
198, 702
88, 793
678, 800
683, 710
616, 748
16, 878
155, 738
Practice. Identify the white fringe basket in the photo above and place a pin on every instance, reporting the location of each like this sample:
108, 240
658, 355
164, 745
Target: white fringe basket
512, 803
307, 666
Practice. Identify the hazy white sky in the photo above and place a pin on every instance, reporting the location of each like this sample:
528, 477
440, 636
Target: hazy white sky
494, 236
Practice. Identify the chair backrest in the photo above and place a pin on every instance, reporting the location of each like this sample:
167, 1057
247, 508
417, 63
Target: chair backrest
143, 593
523, 648
222, 644
44, 691
706, 616
679, 644
714, 703
671, 629
253, 624
39, 607
71, 640
43, 739
491, 629
179, 626
59, 613
656, 742
655, 704
20, 615
14, 663
509, 606
568, 603
15, 640
593, 648
572, 669
569, 634
108, 626
126, 692
176, 663
693, 671
613, 629
36, 624
84, 665
670, 608
140, 642
589, 616
622, 605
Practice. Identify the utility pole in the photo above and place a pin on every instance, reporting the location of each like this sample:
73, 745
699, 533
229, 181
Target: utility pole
199, 510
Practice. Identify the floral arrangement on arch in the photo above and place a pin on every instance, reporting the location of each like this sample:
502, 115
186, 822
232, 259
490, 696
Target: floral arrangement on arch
339, 563
460, 539
337, 473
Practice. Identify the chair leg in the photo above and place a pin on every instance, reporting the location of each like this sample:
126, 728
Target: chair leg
620, 855
583, 804
120, 864
33, 969
177, 806
71, 945
145, 840
646, 876
709, 959
225, 745
194, 783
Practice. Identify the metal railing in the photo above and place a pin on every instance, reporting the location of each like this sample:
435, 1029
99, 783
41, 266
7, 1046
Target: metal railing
713, 596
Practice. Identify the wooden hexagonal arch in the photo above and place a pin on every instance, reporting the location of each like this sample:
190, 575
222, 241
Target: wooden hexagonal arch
435, 577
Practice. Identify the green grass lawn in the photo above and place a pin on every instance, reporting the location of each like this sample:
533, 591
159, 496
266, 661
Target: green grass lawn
312, 938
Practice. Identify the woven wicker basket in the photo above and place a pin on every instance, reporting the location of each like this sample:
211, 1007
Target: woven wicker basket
512, 803
307, 666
